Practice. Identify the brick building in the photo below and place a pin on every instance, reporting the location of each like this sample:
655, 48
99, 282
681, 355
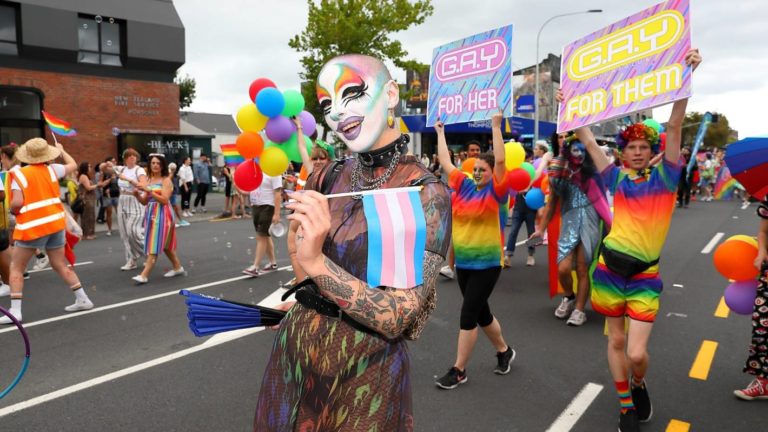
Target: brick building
105, 66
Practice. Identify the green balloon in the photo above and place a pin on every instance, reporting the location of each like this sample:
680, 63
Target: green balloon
294, 103
531, 170
291, 147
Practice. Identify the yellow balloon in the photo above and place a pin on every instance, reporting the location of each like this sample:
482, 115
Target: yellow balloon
745, 238
249, 119
514, 155
273, 161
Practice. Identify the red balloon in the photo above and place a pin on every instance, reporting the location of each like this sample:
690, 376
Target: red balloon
248, 176
663, 141
257, 85
537, 182
518, 179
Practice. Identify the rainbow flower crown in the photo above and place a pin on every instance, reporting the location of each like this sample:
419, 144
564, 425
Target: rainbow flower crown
638, 131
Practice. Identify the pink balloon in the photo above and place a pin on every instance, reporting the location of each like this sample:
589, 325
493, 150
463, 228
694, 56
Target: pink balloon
279, 129
740, 296
308, 123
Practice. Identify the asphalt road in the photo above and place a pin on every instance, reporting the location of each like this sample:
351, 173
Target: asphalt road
132, 364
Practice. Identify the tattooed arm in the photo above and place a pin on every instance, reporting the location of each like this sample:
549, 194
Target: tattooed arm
389, 311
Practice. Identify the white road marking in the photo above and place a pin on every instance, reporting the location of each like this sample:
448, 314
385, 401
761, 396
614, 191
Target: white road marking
745, 205
712, 243
126, 303
675, 314
576, 408
735, 217
221, 338
77, 264
677, 285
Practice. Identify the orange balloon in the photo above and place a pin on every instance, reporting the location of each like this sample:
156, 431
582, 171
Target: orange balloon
468, 165
734, 259
545, 183
249, 145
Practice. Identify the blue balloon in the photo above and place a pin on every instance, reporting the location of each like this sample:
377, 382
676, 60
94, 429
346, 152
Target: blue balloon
270, 102
534, 199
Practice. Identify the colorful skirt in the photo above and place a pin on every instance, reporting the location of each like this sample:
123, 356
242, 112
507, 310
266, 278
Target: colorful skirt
325, 376
159, 229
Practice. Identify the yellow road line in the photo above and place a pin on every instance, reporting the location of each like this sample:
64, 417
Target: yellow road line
678, 426
700, 367
722, 310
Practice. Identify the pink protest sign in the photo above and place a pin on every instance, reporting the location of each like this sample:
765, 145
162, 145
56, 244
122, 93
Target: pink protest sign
634, 64
471, 78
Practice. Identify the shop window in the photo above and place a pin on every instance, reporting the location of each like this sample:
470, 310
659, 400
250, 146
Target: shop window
100, 40
20, 117
8, 34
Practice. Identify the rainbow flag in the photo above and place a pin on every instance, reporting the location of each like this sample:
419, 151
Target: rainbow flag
725, 184
231, 157
397, 236
59, 126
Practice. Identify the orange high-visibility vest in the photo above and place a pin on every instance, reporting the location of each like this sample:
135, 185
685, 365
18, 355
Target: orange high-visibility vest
42, 213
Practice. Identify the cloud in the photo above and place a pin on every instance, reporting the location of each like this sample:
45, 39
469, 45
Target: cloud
235, 41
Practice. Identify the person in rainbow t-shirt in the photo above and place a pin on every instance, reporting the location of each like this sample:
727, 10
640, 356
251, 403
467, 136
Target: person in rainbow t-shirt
626, 280
477, 245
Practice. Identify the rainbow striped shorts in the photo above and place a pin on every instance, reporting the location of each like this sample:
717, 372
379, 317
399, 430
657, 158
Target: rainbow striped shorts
615, 296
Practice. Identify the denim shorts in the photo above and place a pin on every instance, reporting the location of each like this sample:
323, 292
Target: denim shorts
51, 241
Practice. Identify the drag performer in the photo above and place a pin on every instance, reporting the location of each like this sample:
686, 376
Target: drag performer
626, 280
339, 361
584, 213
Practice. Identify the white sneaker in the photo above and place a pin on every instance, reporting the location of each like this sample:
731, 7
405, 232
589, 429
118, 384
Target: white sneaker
130, 265
447, 272
565, 308
204, 210
5, 290
530, 262
577, 318
139, 279
171, 273
16, 314
79, 305
41, 263
109, 233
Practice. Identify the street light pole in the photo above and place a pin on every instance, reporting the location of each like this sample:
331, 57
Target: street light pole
536, 78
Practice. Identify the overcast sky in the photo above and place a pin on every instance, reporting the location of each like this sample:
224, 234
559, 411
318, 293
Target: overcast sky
231, 42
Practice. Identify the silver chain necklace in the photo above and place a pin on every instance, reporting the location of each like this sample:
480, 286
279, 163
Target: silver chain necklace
362, 183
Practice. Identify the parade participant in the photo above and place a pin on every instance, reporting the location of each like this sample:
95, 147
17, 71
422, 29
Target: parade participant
265, 210
86, 190
686, 181
578, 189
111, 192
370, 323
203, 173
40, 219
477, 247
186, 179
176, 197
757, 361
130, 212
626, 280
7, 223
159, 225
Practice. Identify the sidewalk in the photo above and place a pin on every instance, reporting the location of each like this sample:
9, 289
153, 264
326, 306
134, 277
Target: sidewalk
214, 204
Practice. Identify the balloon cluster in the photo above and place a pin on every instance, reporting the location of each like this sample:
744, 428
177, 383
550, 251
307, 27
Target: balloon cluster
521, 175
271, 112
733, 259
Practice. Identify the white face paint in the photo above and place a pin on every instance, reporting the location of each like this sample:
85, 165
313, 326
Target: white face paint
352, 91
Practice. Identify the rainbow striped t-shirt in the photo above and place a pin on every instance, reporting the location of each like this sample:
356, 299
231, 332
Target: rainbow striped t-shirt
476, 224
643, 209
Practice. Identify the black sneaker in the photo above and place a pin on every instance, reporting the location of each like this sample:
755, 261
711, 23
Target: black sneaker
505, 360
452, 379
628, 422
26, 275
642, 402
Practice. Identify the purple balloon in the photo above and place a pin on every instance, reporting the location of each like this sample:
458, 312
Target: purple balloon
279, 129
308, 123
740, 296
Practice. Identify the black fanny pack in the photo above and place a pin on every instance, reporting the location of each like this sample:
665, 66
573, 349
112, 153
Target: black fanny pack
308, 295
623, 264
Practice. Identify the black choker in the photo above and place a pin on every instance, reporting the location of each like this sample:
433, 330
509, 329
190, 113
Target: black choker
383, 156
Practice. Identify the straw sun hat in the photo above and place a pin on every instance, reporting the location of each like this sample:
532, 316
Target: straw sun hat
36, 151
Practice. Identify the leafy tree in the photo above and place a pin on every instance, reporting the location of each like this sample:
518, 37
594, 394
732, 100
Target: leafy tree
336, 27
187, 86
718, 133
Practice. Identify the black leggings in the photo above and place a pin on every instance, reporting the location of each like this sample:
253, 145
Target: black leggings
476, 287
186, 195
202, 191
